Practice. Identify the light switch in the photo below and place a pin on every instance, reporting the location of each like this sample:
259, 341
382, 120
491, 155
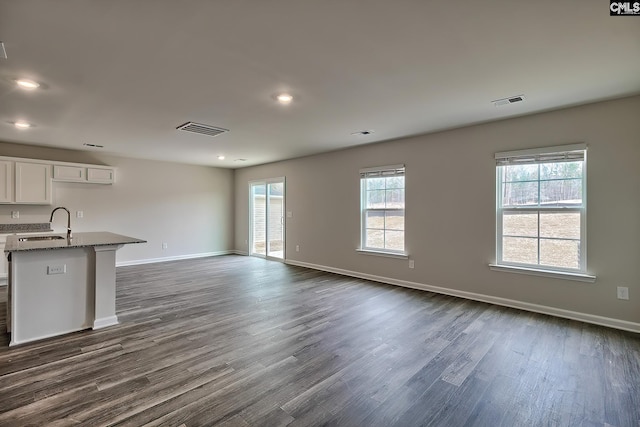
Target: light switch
79, 214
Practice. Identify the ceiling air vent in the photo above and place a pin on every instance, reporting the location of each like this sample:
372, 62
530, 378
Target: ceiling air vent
202, 129
509, 100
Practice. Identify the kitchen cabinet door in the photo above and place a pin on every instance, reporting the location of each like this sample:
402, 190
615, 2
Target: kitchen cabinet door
6, 181
100, 175
33, 183
69, 173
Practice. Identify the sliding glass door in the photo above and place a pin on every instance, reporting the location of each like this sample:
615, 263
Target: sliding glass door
267, 207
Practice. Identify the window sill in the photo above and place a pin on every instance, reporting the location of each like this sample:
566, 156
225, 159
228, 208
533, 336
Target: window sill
383, 254
580, 277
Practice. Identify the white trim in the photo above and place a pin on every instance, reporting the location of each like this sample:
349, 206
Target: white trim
543, 309
104, 322
541, 150
381, 168
383, 254
238, 252
582, 209
14, 342
556, 274
364, 210
266, 182
173, 258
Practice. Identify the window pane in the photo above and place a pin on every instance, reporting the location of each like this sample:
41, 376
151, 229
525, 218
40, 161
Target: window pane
375, 199
520, 224
560, 224
520, 249
394, 240
375, 239
395, 199
395, 182
375, 219
561, 170
394, 220
383, 203
520, 194
538, 235
276, 189
375, 183
521, 173
560, 253
563, 191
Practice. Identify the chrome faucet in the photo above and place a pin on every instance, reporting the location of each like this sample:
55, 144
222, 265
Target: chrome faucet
68, 219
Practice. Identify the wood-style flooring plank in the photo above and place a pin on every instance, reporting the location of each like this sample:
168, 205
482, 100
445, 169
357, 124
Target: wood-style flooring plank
242, 342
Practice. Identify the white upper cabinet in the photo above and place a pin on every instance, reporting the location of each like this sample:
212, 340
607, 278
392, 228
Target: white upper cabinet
100, 175
29, 181
32, 183
83, 173
6, 181
69, 173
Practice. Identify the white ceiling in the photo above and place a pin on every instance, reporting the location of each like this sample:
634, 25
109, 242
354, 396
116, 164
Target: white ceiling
125, 74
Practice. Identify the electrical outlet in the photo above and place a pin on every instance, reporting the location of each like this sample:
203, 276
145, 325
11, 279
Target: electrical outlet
15, 214
164, 245
289, 214
623, 292
79, 214
412, 263
57, 269
297, 248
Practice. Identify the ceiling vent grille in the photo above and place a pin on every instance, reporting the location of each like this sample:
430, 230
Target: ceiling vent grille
202, 129
509, 100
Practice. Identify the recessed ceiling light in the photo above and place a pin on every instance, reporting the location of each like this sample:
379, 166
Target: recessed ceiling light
27, 84
22, 124
284, 98
221, 157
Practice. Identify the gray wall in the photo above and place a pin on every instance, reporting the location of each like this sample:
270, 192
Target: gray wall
188, 207
450, 207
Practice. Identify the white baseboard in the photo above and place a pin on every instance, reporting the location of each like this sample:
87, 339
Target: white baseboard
553, 311
172, 258
104, 322
44, 337
237, 252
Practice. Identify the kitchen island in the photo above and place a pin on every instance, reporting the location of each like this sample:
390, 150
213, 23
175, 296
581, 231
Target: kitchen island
58, 285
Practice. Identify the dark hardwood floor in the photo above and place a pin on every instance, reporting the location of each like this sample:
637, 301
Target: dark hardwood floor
239, 341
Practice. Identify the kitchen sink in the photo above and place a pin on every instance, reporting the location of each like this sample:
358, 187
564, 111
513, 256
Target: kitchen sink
39, 238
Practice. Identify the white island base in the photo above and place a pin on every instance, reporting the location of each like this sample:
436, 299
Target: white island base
55, 291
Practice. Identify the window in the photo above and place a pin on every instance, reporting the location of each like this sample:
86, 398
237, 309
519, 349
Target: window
541, 209
382, 209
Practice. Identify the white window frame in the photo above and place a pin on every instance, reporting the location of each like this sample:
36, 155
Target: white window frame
381, 171
539, 156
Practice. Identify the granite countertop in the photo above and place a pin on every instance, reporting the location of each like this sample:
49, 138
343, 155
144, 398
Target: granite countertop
79, 240
37, 227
